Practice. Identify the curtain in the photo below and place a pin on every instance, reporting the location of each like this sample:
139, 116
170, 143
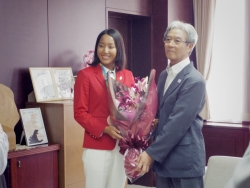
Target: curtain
246, 101
204, 12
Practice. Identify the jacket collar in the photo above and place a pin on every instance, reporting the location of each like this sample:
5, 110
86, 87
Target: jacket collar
98, 73
176, 82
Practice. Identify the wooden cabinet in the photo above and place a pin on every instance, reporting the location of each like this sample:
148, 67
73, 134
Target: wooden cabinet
62, 128
225, 139
36, 167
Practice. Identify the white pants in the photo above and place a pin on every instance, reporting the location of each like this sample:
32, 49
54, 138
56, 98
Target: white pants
104, 168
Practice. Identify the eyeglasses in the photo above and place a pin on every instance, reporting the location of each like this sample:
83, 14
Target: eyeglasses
176, 41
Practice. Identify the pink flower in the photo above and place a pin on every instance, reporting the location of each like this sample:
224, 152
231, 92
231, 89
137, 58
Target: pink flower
132, 110
88, 58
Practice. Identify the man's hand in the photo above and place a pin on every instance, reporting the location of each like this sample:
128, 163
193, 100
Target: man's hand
144, 161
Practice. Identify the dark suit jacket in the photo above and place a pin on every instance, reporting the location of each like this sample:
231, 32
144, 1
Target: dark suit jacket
91, 105
178, 149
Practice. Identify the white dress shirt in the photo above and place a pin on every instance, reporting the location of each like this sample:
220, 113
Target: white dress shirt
112, 75
173, 71
4, 148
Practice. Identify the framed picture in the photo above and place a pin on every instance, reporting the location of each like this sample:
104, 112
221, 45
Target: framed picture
43, 84
52, 83
33, 126
63, 79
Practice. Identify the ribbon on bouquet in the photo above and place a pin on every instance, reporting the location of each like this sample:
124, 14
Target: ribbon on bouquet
132, 141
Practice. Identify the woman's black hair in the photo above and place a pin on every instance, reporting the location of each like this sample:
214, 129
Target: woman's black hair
120, 60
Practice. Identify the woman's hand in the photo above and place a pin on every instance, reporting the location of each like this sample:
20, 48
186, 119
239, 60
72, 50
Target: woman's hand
113, 132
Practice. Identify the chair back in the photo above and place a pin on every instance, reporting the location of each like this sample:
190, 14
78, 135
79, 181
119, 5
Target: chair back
219, 170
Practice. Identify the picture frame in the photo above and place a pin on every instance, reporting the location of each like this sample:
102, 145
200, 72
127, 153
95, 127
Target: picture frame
33, 126
52, 83
63, 79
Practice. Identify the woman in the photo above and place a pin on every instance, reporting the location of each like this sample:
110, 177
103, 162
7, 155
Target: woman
103, 164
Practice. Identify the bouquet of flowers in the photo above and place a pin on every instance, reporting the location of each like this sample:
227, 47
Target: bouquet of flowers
132, 110
88, 58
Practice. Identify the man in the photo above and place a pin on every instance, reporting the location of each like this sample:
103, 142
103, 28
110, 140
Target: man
241, 175
178, 150
4, 148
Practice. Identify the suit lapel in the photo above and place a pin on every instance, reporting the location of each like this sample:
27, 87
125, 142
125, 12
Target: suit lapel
161, 84
98, 74
176, 82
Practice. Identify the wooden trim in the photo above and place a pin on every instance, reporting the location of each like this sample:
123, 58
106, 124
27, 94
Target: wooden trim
32, 151
229, 125
56, 169
247, 123
127, 12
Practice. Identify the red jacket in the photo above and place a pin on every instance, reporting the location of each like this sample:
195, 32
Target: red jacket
91, 105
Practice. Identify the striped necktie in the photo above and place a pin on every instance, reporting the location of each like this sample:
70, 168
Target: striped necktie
112, 75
